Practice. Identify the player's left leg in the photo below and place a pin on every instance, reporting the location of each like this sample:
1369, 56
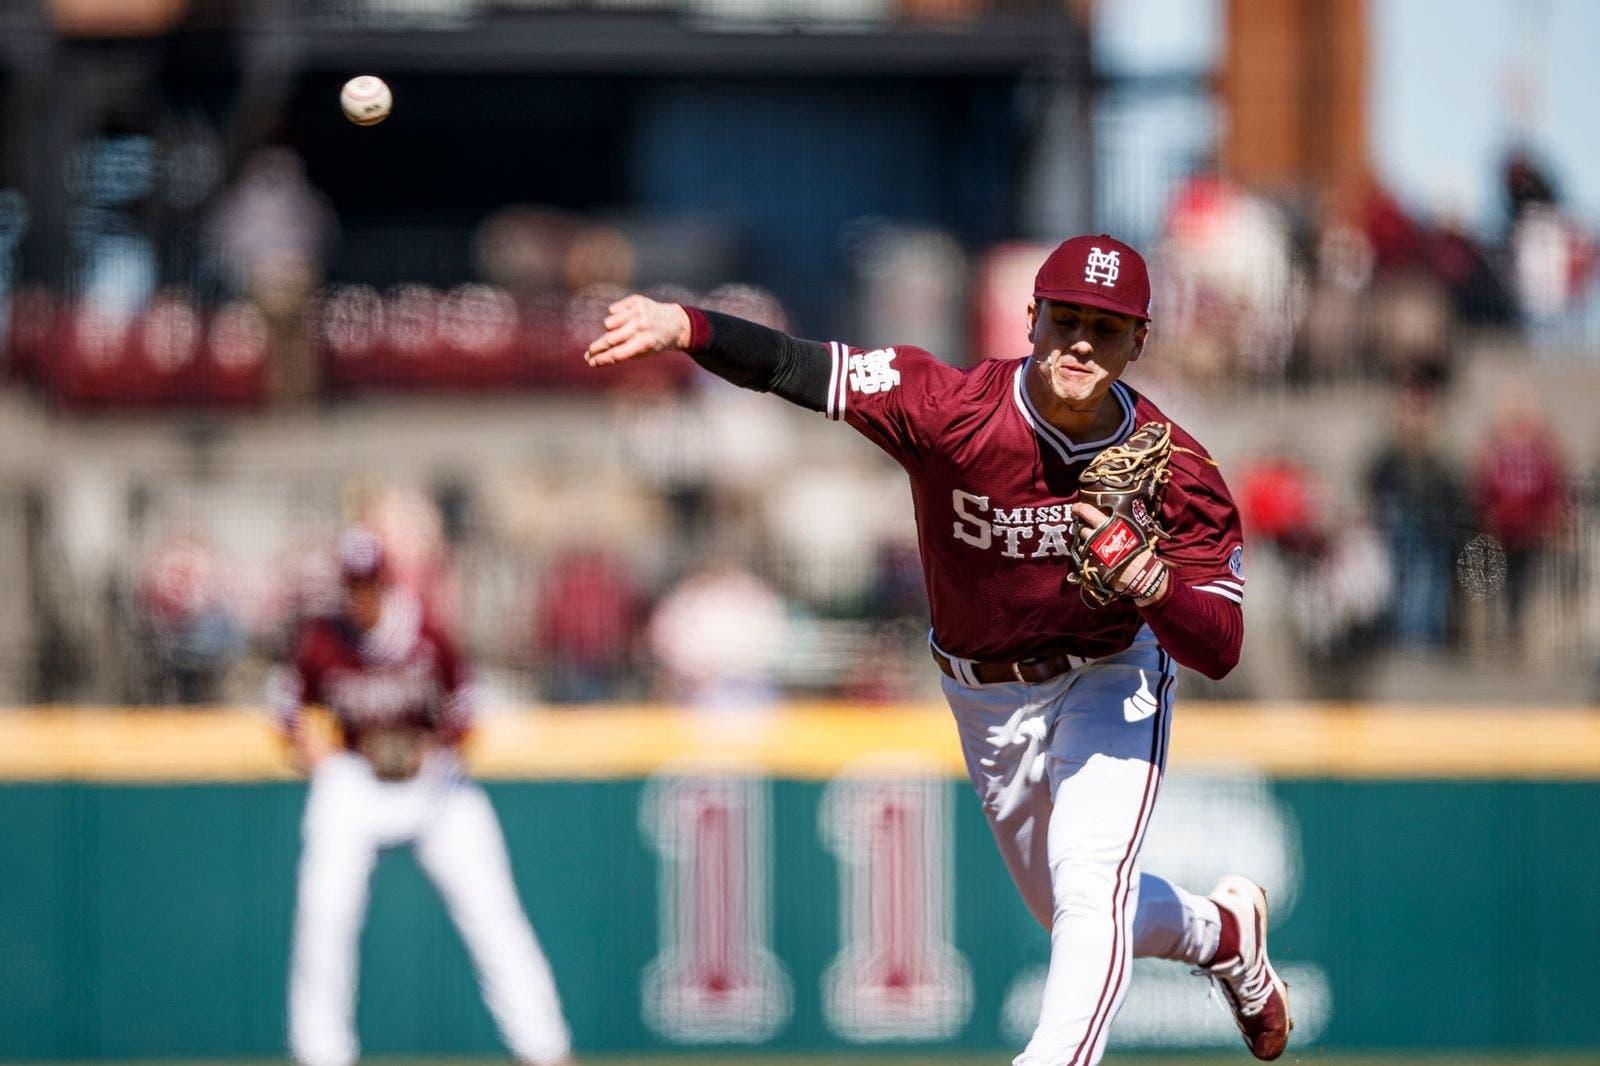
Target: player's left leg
1258, 996
464, 854
1107, 751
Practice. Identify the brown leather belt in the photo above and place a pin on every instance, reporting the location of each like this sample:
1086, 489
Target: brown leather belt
1029, 671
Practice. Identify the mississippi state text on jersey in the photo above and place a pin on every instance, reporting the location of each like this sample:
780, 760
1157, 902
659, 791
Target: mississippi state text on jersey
992, 482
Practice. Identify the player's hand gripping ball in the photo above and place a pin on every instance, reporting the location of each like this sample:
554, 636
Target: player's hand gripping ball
366, 100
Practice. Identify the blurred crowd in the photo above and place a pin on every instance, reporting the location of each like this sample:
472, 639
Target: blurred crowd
1261, 289
677, 594
1253, 290
1486, 554
710, 565
710, 550
258, 324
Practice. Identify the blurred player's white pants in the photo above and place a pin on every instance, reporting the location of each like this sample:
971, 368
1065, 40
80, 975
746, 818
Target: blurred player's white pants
1068, 772
452, 830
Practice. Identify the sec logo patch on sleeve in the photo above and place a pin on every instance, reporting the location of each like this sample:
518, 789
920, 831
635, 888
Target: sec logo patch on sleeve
1236, 562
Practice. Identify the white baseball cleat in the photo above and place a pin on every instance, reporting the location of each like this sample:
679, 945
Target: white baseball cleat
1258, 996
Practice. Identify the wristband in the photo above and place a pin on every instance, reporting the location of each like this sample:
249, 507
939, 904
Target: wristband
699, 328
1141, 577
1149, 580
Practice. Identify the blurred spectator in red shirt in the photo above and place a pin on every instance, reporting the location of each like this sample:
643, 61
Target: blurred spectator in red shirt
1277, 501
1521, 490
586, 627
1398, 241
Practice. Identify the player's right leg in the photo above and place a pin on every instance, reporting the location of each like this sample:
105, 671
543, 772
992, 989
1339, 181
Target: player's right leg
1105, 758
336, 859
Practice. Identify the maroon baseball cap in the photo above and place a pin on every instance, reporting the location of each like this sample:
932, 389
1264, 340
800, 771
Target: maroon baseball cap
1099, 271
361, 557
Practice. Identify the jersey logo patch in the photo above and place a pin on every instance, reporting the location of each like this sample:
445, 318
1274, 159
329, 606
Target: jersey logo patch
871, 373
1236, 562
1102, 268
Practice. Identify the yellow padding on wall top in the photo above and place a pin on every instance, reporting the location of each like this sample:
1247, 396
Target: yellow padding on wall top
817, 741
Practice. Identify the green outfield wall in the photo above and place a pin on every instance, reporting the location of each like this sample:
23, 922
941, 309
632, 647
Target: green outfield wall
152, 919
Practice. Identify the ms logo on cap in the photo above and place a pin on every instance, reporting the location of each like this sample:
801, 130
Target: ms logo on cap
1097, 270
1102, 268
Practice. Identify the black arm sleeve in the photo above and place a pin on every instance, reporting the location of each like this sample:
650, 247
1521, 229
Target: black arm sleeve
766, 360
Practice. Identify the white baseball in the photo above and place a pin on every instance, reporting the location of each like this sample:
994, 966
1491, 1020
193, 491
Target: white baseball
366, 100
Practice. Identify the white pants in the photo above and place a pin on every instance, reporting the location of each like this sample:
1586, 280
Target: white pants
452, 830
1068, 772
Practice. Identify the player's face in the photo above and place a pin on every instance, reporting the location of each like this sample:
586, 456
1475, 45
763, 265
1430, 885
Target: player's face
363, 602
1080, 350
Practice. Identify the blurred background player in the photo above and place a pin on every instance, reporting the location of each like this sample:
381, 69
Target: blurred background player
402, 703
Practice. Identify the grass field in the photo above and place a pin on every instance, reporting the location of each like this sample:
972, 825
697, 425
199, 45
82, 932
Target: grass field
1320, 1058
935, 1058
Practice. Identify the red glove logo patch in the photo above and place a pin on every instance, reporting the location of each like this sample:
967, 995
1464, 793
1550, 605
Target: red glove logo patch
1115, 542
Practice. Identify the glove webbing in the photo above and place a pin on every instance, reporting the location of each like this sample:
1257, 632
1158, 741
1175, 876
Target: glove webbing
1118, 470
1118, 467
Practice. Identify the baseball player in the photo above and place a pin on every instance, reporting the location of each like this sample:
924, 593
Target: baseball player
402, 701
1076, 545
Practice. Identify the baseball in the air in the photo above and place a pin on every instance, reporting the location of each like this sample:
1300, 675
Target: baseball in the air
366, 100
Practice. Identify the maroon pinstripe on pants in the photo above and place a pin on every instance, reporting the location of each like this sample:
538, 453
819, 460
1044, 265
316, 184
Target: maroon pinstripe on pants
1112, 986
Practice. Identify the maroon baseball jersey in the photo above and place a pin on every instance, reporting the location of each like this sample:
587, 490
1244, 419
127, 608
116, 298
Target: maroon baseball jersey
403, 673
992, 481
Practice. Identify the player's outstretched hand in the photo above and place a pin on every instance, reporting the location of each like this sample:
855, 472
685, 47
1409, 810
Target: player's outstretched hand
636, 326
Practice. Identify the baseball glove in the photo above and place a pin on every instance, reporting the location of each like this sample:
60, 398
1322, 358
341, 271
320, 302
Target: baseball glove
394, 754
1125, 482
